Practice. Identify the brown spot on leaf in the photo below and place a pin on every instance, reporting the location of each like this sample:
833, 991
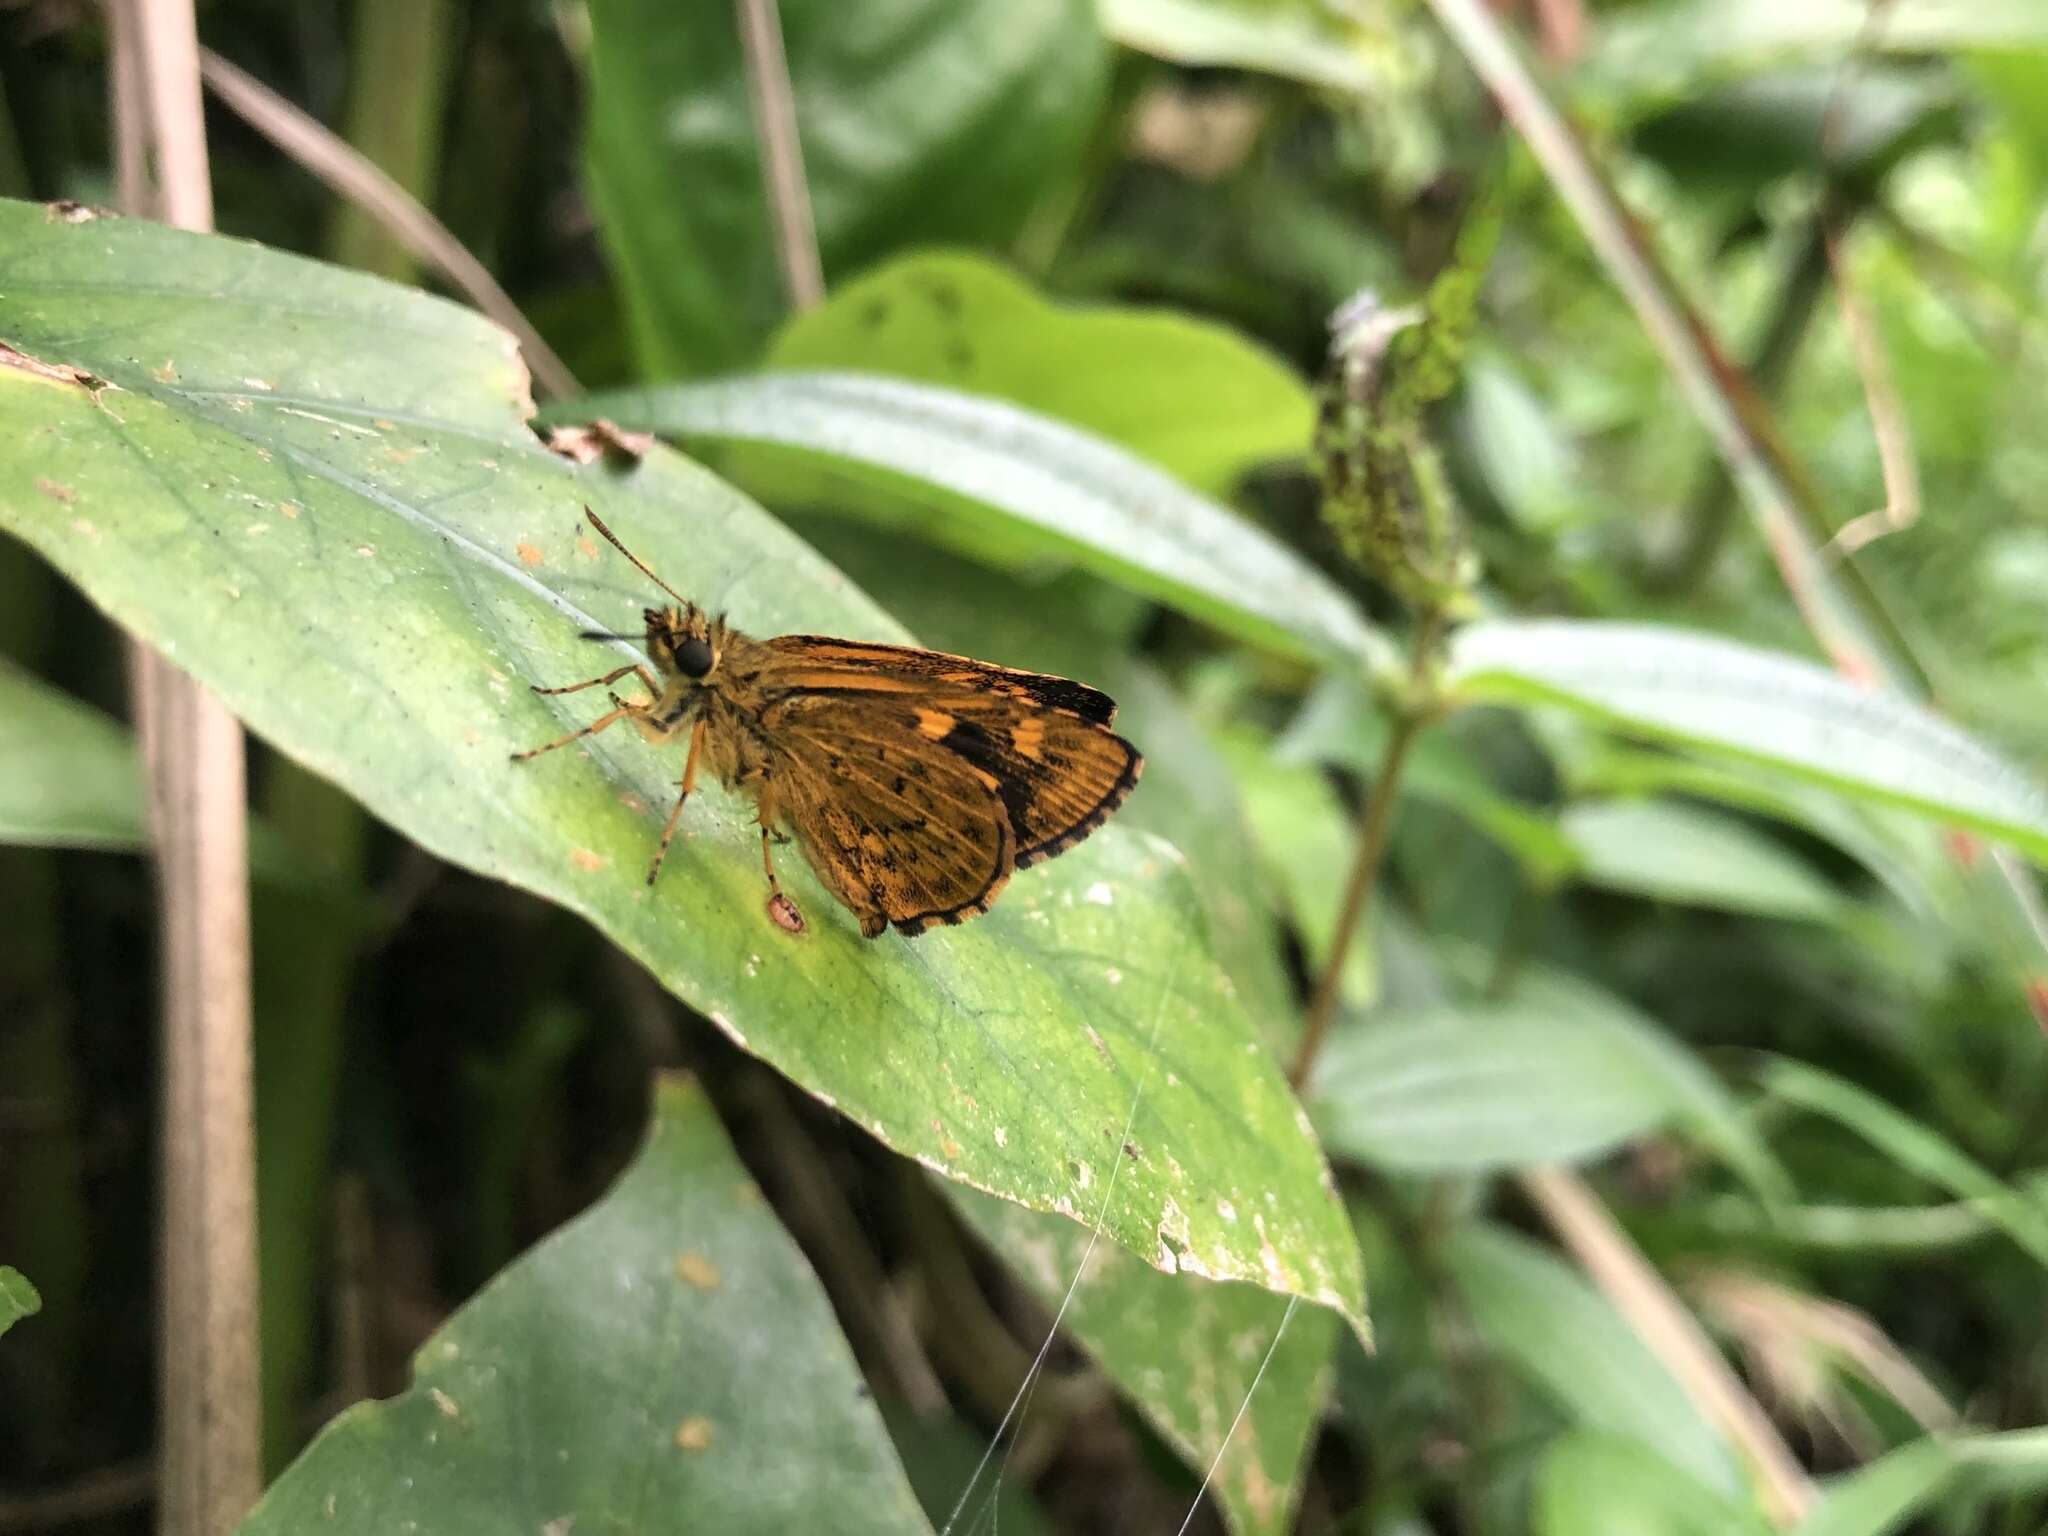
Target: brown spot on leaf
583, 858
51, 373
65, 211
85, 530
693, 1434
695, 1269
288, 508
165, 373
528, 553
587, 443
56, 490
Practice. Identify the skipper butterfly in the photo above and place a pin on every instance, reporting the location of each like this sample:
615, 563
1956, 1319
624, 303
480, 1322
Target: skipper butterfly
914, 782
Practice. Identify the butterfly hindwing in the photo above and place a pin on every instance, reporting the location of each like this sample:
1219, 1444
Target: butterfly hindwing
900, 830
1059, 776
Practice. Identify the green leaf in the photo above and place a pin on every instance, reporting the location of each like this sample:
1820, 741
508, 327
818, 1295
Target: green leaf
1309, 42
1189, 395
317, 492
1188, 1353
649, 1367
1004, 485
946, 121
68, 774
1756, 705
70, 778
18, 1298
1482, 1086
1661, 45
1700, 1103
1603, 1485
1913, 1147
1567, 1339
1669, 851
1868, 834
1879, 1497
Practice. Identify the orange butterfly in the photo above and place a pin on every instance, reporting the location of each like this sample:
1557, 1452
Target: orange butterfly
915, 782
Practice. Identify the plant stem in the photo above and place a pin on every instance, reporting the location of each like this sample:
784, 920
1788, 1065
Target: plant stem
1372, 847
782, 152
350, 175
1709, 510
209, 1404
1661, 1321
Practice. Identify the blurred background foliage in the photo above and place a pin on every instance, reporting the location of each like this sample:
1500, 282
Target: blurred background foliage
1684, 974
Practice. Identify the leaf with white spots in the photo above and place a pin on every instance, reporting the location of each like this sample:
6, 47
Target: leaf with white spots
667, 1362
427, 560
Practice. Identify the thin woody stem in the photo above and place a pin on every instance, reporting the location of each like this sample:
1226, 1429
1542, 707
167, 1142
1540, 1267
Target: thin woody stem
782, 155
1409, 722
209, 1392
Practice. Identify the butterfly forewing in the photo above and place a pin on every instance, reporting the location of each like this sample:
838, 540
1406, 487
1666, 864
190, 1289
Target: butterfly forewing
818, 662
900, 831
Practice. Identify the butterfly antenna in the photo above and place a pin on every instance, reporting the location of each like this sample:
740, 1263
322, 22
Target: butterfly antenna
638, 564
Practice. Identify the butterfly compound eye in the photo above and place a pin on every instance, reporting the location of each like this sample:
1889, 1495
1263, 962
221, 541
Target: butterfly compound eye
693, 657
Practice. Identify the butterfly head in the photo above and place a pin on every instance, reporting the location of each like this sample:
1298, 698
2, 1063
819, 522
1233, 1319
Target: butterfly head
683, 641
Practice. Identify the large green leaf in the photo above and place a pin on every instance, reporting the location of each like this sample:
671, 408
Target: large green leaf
1660, 45
1753, 704
1191, 1354
654, 1366
18, 1299
1186, 394
1299, 39
997, 482
1546, 1077
319, 494
1573, 1346
68, 774
920, 120
1913, 1147
1604, 1485
1669, 851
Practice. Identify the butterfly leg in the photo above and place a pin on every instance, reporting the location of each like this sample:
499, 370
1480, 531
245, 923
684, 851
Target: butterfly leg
611, 717
768, 836
646, 679
689, 782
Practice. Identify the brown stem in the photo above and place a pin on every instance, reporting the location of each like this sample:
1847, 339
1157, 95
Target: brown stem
1710, 509
210, 1397
1409, 721
782, 152
1661, 1321
351, 175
